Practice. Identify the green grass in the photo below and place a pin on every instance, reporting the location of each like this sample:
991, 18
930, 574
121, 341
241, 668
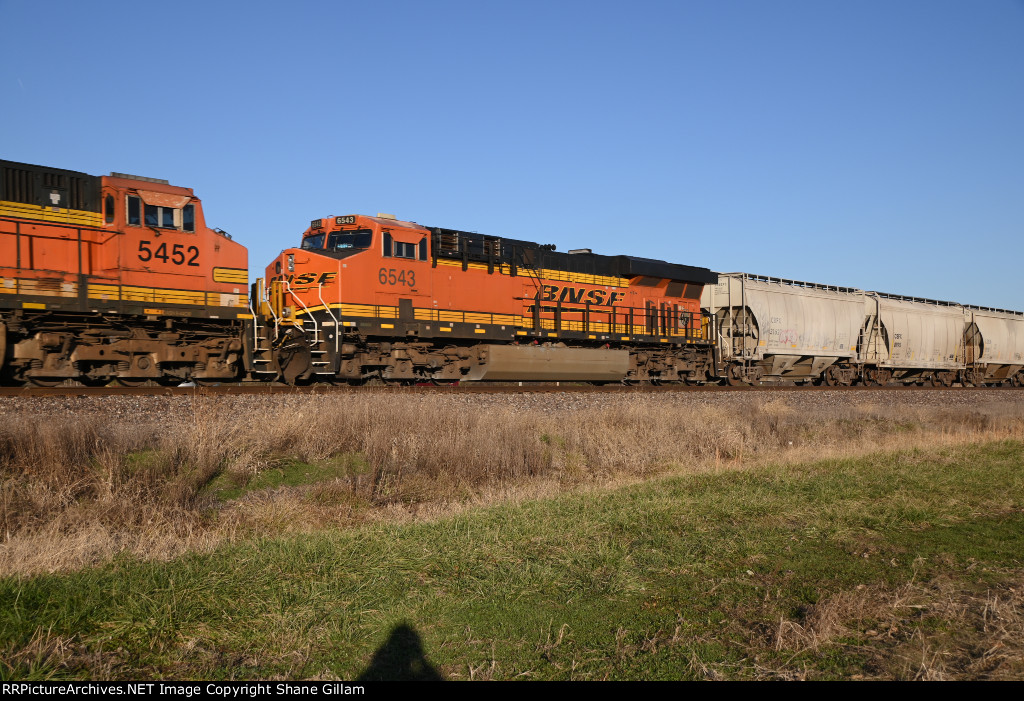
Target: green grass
288, 473
688, 577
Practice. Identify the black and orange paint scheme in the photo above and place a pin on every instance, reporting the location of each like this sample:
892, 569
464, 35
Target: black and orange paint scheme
378, 299
114, 277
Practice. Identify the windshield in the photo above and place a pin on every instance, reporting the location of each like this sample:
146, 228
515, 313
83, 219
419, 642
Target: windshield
339, 240
313, 242
349, 239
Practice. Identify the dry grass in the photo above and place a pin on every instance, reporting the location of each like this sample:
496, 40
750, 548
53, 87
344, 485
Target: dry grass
939, 630
80, 489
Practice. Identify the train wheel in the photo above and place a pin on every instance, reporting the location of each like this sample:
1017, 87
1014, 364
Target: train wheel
132, 382
45, 381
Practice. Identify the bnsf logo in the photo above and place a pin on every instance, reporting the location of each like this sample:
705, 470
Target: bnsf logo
578, 295
306, 278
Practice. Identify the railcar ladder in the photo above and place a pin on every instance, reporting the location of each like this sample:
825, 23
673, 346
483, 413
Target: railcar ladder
258, 308
313, 332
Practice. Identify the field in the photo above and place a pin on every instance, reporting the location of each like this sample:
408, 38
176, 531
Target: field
695, 536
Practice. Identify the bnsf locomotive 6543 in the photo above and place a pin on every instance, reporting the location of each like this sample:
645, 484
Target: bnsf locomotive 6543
114, 277
375, 298
118, 278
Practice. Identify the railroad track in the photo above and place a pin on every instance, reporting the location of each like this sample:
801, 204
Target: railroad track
511, 388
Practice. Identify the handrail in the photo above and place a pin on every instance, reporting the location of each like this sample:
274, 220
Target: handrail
337, 326
316, 327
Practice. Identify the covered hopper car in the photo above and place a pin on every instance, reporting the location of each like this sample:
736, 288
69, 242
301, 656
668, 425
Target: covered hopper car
774, 330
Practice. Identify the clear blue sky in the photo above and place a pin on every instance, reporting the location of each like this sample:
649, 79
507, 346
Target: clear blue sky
877, 144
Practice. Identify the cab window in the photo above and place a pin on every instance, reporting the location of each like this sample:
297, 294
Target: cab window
315, 242
142, 214
341, 240
405, 250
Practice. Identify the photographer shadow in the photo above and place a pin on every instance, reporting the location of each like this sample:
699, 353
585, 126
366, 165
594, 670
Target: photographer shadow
401, 658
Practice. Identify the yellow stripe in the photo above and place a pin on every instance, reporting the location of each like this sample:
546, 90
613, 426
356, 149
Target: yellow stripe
32, 305
60, 216
231, 275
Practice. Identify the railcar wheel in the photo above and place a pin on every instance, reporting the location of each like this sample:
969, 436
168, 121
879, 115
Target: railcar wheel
132, 381
46, 381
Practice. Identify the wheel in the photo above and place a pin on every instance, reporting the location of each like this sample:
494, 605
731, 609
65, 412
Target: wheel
45, 381
132, 381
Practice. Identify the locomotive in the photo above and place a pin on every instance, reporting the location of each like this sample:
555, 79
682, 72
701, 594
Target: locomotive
114, 277
118, 277
377, 299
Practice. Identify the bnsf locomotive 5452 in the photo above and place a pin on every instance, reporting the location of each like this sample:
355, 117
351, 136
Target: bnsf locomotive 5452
114, 277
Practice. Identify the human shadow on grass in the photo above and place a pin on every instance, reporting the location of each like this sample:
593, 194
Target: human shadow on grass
401, 658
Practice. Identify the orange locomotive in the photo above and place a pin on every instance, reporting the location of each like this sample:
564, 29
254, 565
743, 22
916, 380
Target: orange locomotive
378, 299
114, 277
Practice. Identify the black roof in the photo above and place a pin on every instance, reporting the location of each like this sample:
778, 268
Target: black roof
451, 243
